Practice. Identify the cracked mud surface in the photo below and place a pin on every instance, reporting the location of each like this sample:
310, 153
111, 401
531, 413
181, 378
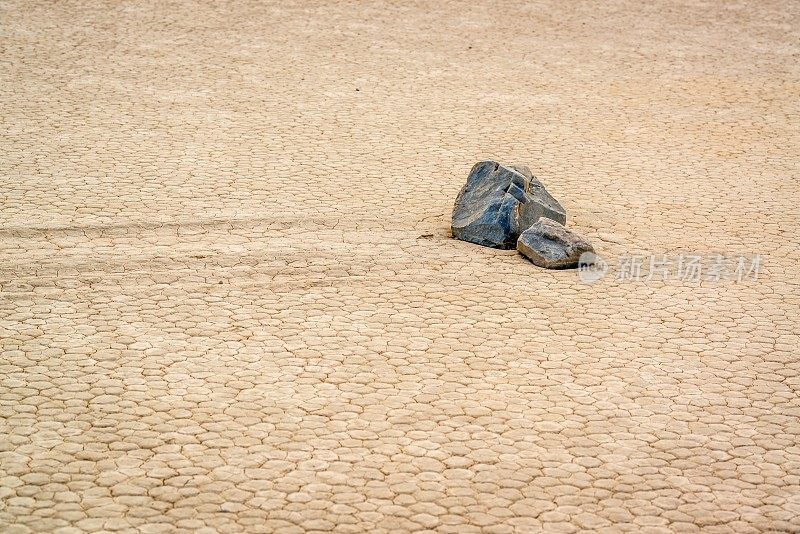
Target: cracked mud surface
229, 303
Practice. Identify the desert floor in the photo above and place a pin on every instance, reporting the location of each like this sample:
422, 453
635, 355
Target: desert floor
229, 301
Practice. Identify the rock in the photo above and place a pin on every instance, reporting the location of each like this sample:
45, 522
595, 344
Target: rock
524, 170
499, 202
548, 244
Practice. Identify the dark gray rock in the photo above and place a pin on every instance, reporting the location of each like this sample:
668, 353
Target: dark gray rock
548, 244
499, 202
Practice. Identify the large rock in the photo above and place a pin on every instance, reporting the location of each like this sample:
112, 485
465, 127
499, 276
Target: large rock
497, 203
548, 244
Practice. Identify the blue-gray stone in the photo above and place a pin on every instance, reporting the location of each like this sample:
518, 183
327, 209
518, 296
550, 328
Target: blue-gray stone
548, 244
497, 203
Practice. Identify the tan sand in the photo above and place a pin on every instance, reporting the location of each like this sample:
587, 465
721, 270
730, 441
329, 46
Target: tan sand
229, 301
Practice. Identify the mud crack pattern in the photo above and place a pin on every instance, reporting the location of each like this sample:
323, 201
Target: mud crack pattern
229, 303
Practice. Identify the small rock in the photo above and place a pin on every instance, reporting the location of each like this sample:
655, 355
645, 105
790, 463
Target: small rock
548, 244
524, 170
499, 202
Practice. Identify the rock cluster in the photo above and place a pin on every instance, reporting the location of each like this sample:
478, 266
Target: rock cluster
506, 206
